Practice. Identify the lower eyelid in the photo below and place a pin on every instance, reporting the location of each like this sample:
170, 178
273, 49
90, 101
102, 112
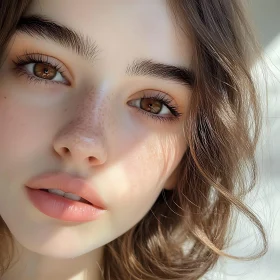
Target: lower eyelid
20, 72
157, 118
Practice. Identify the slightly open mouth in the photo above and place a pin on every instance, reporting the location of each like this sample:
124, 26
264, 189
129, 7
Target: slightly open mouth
81, 199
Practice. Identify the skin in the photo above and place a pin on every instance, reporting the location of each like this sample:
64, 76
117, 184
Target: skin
133, 156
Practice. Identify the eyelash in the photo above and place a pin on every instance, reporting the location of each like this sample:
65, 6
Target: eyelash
166, 102
28, 58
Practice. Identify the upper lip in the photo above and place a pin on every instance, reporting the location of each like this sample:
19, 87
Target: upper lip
67, 183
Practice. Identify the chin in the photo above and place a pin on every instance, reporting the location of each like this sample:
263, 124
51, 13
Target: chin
60, 252
56, 244
54, 248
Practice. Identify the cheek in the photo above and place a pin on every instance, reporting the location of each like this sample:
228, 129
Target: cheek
22, 132
145, 170
13, 126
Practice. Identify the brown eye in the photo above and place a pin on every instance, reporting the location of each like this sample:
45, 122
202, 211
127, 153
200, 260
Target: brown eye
151, 105
159, 105
44, 71
42, 68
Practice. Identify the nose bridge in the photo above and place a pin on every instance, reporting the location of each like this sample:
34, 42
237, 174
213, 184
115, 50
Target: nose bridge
83, 138
89, 115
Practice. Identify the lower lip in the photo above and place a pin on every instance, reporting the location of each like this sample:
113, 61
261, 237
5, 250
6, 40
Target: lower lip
62, 208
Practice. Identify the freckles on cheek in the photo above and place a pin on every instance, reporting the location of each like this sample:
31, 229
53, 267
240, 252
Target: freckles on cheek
147, 166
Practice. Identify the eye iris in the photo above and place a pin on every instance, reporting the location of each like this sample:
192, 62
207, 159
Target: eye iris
151, 105
44, 71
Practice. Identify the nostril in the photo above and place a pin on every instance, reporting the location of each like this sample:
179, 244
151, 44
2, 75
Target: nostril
65, 151
91, 159
79, 153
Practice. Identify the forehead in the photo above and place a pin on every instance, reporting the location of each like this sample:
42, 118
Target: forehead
122, 28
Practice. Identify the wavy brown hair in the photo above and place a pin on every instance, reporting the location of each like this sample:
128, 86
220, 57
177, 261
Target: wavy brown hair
188, 228
10, 13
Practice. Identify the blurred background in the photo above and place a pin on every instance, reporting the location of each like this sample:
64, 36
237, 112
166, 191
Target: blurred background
265, 201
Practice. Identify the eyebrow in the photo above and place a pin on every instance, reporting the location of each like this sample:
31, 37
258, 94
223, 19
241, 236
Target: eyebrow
47, 29
42, 27
177, 74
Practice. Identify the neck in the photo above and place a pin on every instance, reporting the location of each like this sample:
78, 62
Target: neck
27, 265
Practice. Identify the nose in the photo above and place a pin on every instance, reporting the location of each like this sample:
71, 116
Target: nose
78, 144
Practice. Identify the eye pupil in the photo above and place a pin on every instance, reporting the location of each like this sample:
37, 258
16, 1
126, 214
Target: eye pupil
44, 71
151, 105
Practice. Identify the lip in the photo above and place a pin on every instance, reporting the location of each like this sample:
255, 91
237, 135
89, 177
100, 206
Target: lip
60, 207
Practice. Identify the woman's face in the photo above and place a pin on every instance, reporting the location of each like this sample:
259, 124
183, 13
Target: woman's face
90, 100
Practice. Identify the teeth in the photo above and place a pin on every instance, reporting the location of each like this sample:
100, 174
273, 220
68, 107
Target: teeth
72, 196
68, 195
58, 192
